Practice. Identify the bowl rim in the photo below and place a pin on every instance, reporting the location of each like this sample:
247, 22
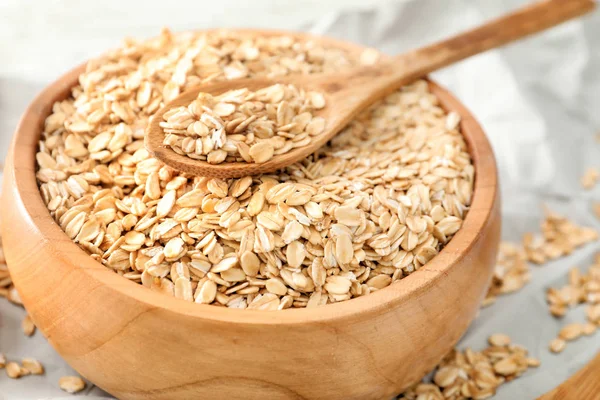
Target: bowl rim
29, 200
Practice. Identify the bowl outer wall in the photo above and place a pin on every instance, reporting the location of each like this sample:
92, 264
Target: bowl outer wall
137, 344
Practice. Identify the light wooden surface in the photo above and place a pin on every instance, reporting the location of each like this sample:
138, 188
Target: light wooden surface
137, 344
349, 93
583, 385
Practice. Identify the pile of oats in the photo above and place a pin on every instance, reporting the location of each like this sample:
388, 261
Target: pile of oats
559, 238
474, 375
511, 272
28, 366
583, 288
243, 125
370, 208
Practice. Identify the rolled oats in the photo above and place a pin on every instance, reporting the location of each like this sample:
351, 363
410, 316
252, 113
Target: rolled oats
571, 331
7, 289
71, 384
596, 209
243, 125
588, 328
371, 207
28, 326
474, 375
559, 238
582, 288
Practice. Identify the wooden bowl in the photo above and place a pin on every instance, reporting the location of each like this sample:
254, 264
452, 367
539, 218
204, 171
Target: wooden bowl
137, 344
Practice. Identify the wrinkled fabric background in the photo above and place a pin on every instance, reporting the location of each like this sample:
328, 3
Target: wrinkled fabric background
538, 100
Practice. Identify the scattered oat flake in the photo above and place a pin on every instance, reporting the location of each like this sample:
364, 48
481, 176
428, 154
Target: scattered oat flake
511, 272
571, 331
557, 345
28, 326
13, 370
588, 328
596, 209
34, 367
533, 362
499, 339
71, 384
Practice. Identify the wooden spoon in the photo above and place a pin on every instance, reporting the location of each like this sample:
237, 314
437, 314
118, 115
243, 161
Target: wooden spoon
348, 93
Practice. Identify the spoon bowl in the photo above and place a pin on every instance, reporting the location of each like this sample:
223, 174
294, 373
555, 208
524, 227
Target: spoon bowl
155, 135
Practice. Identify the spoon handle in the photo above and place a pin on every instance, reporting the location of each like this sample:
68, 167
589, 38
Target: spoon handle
496, 33
388, 76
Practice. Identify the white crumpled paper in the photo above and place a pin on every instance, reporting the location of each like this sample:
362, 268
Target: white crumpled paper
538, 101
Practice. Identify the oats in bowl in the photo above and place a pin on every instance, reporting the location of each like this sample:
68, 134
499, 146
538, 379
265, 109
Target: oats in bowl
371, 207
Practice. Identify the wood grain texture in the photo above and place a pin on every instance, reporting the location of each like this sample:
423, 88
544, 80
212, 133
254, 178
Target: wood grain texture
583, 385
350, 92
138, 344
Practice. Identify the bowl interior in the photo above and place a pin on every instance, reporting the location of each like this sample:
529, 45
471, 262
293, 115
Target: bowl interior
483, 201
